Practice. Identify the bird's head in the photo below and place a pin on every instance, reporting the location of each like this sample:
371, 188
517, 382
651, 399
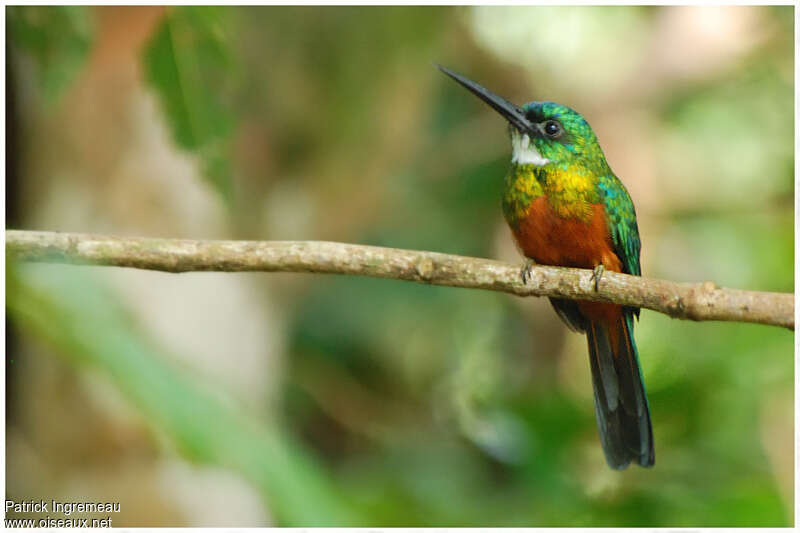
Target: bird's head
542, 133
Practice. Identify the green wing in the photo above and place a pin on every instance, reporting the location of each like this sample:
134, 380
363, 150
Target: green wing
621, 217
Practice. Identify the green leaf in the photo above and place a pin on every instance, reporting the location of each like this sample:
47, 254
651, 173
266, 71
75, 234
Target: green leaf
58, 40
84, 321
189, 64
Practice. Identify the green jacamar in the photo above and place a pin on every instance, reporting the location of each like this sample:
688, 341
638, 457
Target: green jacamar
566, 208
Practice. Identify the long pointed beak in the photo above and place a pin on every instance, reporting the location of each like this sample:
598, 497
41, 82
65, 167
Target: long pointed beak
512, 113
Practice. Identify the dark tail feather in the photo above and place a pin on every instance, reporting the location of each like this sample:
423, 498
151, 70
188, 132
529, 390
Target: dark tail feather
623, 415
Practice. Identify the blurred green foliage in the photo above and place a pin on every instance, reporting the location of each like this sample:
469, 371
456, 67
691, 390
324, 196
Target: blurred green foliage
58, 39
92, 330
189, 64
716, 123
429, 406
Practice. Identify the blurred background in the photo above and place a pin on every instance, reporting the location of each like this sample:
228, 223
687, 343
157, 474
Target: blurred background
280, 399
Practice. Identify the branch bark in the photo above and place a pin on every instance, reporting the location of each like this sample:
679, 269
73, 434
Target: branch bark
693, 301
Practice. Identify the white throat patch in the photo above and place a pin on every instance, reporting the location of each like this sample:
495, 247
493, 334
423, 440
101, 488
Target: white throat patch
524, 152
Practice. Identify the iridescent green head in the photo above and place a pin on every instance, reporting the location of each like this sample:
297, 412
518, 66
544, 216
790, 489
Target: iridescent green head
557, 135
542, 133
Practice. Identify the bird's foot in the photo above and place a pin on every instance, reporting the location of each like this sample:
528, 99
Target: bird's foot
597, 275
525, 273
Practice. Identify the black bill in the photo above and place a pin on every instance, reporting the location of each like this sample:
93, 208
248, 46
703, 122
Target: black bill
513, 113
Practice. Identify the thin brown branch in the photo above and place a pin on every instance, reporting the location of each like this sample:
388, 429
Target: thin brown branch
694, 301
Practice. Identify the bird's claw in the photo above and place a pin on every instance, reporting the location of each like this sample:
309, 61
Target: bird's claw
525, 273
597, 274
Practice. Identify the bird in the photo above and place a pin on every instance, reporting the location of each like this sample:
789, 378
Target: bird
566, 207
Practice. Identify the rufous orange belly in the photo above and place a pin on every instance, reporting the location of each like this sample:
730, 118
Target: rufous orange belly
550, 239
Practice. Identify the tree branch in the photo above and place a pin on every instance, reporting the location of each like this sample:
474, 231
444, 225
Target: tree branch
694, 301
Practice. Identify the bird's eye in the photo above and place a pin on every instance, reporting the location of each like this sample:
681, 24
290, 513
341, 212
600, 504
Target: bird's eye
552, 128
